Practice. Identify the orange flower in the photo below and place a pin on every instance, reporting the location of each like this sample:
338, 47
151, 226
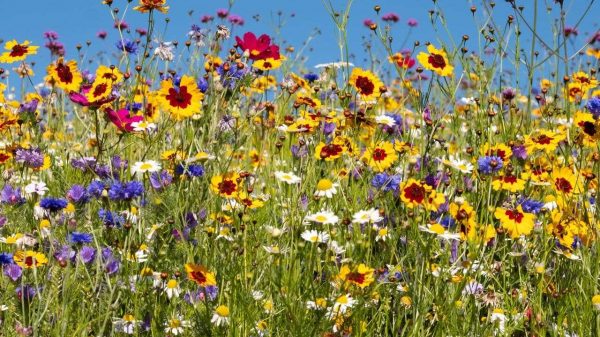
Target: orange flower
149, 5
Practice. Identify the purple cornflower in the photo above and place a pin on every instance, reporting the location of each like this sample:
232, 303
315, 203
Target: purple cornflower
33, 158
125, 191
160, 181
77, 194
11, 196
13, 271
29, 107
84, 164
64, 254
127, 46
489, 164
87, 254
519, 152
26, 292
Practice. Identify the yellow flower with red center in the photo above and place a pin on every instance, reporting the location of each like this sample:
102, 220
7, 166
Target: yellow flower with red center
537, 170
182, 101
380, 157
226, 185
565, 182
414, 194
268, 63
589, 128
29, 259
17, 51
150, 5
577, 92
568, 227
515, 221
436, 61
509, 183
308, 101
366, 83
463, 213
543, 140
499, 150
200, 275
248, 201
64, 75
101, 89
361, 276
110, 74
329, 152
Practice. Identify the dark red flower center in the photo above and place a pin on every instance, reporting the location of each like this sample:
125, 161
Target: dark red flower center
415, 193
198, 276
356, 278
437, 61
365, 85
29, 261
18, 50
331, 150
510, 179
514, 215
100, 90
589, 128
227, 187
543, 140
379, 154
179, 99
64, 73
563, 185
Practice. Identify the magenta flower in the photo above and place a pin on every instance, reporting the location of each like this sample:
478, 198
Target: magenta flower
412, 22
122, 119
393, 17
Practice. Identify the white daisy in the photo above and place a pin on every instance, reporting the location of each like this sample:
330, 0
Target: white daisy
369, 216
323, 217
172, 288
220, 316
459, 164
287, 177
385, 120
176, 325
145, 166
315, 236
326, 188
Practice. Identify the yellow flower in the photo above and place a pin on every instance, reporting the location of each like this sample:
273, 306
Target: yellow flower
17, 51
64, 75
565, 182
362, 276
182, 101
509, 183
543, 140
225, 185
268, 63
29, 259
515, 221
366, 83
436, 61
200, 275
380, 157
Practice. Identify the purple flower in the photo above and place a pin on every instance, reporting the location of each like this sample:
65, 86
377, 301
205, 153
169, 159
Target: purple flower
127, 46
222, 13
160, 181
236, 20
33, 158
125, 191
519, 152
11, 196
110, 219
26, 292
13, 271
593, 106
64, 254
96, 188
393, 17
87, 254
489, 164
29, 107
412, 22
77, 194
84, 164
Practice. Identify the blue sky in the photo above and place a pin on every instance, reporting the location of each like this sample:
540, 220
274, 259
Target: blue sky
76, 23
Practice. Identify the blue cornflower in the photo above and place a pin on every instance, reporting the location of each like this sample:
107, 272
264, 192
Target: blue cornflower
531, 206
386, 182
6, 258
311, 77
593, 106
110, 219
53, 204
95, 188
125, 191
127, 46
190, 171
87, 254
78, 194
77, 237
489, 164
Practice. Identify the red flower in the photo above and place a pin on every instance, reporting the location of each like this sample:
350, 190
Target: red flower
258, 49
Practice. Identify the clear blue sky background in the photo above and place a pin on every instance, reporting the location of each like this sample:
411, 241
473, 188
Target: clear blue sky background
79, 20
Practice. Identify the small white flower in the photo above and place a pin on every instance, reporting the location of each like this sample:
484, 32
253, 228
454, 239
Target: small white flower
323, 217
315, 236
37, 187
221, 316
176, 325
145, 166
143, 126
369, 216
287, 177
385, 120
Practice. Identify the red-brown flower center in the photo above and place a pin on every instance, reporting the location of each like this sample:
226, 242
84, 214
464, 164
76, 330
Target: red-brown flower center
437, 61
331, 150
18, 50
379, 154
227, 187
29, 261
198, 276
543, 140
514, 215
563, 185
415, 193
179, 99
356, 278
64, 73
365, 85
100, 90
510, 179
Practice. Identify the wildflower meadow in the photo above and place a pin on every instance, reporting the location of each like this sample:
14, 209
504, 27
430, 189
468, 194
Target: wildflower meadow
224, 184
